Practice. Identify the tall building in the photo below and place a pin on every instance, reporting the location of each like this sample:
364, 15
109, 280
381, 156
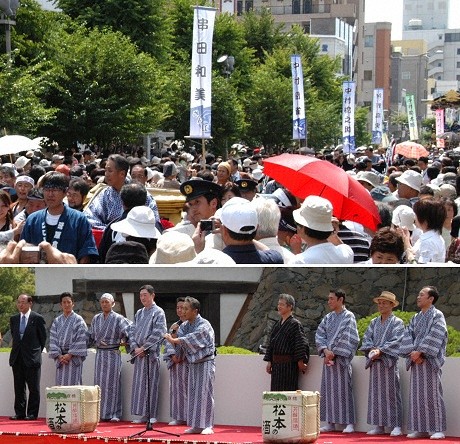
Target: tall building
376, 63
422, 18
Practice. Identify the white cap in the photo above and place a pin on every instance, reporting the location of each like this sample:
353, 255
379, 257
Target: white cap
239, 216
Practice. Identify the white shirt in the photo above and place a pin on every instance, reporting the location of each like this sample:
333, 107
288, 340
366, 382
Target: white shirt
430, 247
326, 253
273, 244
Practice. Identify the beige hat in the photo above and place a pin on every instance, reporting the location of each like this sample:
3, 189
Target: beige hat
447, 190
368, 177
173, 247
315, 213
387, 296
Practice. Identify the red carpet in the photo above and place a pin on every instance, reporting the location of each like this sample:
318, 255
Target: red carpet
34, 432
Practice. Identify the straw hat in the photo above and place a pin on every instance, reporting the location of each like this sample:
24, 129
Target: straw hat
387, 296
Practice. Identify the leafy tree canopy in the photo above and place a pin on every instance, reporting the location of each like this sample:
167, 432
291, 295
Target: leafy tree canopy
13, 282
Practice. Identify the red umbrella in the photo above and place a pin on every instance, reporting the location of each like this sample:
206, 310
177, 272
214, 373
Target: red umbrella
304, 176
411, 150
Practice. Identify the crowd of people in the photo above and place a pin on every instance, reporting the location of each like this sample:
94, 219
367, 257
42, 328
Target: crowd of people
422, 344
86, 207
189, 352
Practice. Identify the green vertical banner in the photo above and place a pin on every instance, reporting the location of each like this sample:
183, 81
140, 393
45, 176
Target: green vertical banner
412, 117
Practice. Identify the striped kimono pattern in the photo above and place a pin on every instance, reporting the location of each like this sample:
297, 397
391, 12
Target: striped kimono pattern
147, 330
338, 333
107, 333
197, 344
287, 339
426, 333
384, 406
69, 335
178, 377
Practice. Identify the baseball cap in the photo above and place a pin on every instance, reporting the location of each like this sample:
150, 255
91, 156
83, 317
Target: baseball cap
239, 216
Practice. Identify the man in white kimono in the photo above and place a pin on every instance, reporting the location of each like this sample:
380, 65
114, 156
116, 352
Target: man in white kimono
424, 347
336, 341
108, 329
195, 339
381, 343
178, 372
145, 338
68, 343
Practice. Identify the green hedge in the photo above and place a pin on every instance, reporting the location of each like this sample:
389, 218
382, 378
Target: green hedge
453, 342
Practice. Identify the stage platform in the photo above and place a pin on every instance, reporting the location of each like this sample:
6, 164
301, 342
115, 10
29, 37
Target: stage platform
35, 432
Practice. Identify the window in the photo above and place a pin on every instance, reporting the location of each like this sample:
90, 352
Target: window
452, 37
296, 6
367, 104
458, 78
239, 7
324, 48
405, 75
306, 7
458, 64
249, 5
458, 51
367, 75
369, 41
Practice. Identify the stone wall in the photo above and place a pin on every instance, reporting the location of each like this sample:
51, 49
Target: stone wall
310, 287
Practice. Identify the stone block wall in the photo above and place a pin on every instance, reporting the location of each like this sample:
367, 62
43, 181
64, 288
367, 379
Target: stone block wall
310, 287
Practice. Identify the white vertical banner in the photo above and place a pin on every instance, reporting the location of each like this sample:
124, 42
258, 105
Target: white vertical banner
411, 117
200, 89
377, 116
439, 127
299, 123
227, 6
348, 117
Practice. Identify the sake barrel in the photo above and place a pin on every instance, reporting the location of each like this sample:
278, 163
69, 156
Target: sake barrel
73, 409
290, 417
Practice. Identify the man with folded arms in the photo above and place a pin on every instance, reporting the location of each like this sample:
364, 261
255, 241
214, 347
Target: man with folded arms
424, 347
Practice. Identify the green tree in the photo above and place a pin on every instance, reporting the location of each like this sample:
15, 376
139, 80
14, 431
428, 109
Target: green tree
145, 22
13, 282
261, 33
362, 136
23, 108
106, 91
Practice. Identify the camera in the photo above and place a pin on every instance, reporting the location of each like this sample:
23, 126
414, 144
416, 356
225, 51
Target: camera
207, 225
32, 254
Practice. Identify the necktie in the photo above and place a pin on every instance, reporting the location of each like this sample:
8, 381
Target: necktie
22, 326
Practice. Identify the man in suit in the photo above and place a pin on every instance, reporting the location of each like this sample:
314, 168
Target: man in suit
29, 336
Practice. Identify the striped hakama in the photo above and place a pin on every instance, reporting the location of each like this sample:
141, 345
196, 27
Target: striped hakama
69, 335
288, 341
147, 330
197, 344
338, 333
106, 332
384, 406
426, 333
178, 380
